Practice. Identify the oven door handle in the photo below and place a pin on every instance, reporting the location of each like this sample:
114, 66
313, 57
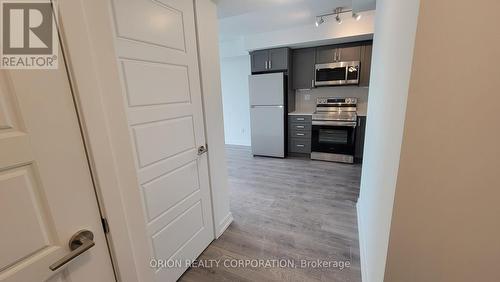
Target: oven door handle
334, 123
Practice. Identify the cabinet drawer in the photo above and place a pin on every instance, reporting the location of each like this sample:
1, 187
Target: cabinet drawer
294, 133
306, 119
300, 126
299, 145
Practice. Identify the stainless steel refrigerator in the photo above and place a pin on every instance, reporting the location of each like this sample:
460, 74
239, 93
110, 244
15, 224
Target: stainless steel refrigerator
267, 114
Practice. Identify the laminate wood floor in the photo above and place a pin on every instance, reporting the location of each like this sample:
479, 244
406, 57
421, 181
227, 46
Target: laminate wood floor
291, 210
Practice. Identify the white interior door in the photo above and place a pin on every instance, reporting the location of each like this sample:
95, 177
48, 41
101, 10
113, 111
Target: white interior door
157, 57
46, 190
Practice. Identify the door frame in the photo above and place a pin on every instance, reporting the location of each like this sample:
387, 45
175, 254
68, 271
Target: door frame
98, 91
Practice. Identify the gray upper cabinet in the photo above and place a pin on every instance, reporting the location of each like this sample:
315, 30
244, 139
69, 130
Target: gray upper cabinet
337, 53
347, 54
259, 60
278, 59
366, 64
270, 60
303, 68
325, 54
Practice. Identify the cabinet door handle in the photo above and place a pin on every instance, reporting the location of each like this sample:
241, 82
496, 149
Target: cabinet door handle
340, 52
312, 83
300, 118
300, 126
270, 67
300, 134
266, 65
300, 145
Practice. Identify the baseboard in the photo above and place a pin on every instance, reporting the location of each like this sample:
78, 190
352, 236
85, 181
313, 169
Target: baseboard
362, 243
224, 225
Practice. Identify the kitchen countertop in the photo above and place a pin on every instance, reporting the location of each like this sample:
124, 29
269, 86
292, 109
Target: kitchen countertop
300, 113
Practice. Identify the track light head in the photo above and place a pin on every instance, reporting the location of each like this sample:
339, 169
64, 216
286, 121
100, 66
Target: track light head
319, 21
356, 16
338, 19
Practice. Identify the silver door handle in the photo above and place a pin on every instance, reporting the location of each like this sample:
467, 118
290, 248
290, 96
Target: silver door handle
300, 134
202, 150
300, 119
266, 65
270, 64
80, 242
300, 145
312, 83
300, 126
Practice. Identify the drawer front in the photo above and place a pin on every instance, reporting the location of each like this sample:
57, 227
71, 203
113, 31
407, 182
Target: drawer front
299, 145
300, 126
295, 133
306, 119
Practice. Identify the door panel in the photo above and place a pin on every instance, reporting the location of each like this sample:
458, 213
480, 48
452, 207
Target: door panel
266, 89
259, 60
268, 134
304, 68
325, 55
278, 59
157, 56
348, 54
46, 190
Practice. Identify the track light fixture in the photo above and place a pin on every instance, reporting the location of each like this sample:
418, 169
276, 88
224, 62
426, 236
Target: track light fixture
337, 13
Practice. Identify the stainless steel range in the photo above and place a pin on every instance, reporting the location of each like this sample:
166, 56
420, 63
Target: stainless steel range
334, 129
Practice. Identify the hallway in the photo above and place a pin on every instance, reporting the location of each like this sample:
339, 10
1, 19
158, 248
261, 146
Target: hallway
288, 209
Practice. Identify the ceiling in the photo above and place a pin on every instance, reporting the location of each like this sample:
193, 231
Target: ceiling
241, 17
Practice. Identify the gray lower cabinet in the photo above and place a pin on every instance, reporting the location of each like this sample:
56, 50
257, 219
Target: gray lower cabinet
270, 60
299, 134
304, 61
360, 138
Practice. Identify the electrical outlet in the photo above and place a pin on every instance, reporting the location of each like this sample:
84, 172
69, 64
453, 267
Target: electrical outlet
307, 97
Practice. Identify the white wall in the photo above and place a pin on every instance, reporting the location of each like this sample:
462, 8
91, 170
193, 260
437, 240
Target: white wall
445, 224
208, 52
395, 27
234, 74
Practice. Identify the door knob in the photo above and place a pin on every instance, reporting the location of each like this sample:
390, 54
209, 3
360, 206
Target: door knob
80, 242
202, 150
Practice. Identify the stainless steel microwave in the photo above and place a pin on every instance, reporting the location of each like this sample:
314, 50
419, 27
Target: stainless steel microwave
341, 73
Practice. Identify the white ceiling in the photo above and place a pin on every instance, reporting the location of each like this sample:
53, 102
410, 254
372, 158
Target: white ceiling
241, 17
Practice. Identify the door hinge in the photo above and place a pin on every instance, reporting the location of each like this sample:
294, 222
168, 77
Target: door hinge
105, 225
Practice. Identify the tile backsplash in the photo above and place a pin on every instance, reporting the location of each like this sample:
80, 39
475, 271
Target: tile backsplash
304, 105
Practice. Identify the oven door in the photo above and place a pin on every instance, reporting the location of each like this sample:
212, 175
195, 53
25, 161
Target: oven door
333, 137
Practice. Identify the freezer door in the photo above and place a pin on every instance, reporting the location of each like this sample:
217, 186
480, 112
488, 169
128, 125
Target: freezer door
268, 130
267, 89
